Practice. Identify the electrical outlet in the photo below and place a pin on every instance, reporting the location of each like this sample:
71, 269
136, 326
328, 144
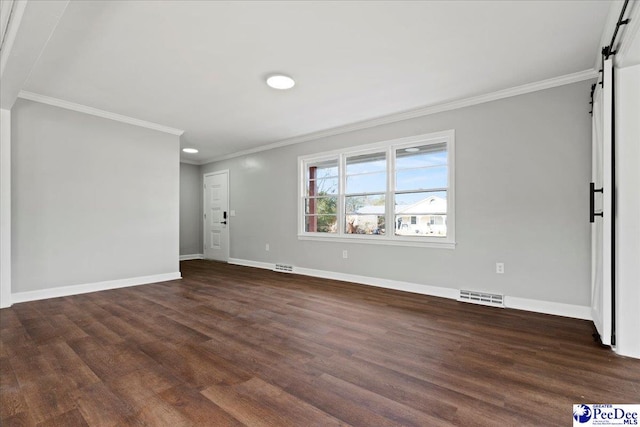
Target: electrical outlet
345, 254
266, 247
500, 267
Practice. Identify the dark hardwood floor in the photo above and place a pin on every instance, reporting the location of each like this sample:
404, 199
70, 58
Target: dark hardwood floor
230, 345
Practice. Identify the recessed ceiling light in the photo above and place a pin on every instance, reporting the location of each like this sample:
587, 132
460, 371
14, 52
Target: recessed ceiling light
190, 150
280, 81
412, 150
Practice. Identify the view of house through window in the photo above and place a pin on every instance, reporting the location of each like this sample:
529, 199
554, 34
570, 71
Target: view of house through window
389, 191
421, 190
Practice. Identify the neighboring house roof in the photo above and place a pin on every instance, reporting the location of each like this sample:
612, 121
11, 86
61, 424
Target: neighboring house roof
371, 210
430, 205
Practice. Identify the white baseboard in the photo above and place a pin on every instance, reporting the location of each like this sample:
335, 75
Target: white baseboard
436, 291
191, 256
65, 291
248, 263
548, 307
545, 307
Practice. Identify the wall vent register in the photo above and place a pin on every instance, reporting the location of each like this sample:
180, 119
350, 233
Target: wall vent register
494, 300
284, 267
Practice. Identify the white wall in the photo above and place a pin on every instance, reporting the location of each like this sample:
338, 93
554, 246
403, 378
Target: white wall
522, 169
190, 210
628, 210
93, 201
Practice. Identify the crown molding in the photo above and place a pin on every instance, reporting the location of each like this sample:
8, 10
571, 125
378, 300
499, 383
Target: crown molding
420, 112
96, 112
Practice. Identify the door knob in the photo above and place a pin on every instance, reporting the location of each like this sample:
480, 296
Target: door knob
223, 222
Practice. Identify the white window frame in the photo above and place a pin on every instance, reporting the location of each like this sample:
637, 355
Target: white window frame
389, 238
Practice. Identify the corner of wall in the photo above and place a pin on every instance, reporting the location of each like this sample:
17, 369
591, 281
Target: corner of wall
5, 208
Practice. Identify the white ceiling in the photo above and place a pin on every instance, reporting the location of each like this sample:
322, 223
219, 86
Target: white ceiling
200, 66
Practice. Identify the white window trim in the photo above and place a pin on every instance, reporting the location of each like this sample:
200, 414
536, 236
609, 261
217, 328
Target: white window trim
389, 238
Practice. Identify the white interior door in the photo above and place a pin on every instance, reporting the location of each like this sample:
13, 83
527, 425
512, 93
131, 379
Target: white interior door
216, 216
601, 243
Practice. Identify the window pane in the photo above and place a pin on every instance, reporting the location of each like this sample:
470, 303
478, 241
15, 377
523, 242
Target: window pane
321, 206
367, 163
421, 202
321, 223
365, 224
421, 214
321, 187
418, 179
426, 225
324, 169
368, 183
321, 178
369, 205
421, 156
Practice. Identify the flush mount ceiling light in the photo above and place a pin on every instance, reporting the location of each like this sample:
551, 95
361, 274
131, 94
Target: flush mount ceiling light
412, 150
190, 150
280, 81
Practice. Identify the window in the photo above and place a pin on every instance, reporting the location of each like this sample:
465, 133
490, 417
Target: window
321, 197
366, 186
421, 174
394, 192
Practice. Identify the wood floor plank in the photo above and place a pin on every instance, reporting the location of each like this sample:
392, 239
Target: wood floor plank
40, 329
12, 402
231, 345
156, 412
109, 362
470, 382
196, 408
310, 388
47, 398
72, 418
197, 366
99, 332
258, 403
66, 328
140, 384
411, 391
65, 362
23, 419
126, 330
9, 319
396, 412
101, 407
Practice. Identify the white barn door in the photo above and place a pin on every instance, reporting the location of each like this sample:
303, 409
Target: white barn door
601, 205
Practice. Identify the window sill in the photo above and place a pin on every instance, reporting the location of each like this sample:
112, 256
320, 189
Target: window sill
371, 240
